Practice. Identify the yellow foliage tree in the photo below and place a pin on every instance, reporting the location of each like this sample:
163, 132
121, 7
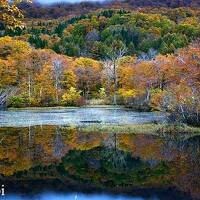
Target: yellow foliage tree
10, 14
71, 96
10, 47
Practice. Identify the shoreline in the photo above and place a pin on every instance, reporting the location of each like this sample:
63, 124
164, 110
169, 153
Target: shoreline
181, 131
67, 107
151, 128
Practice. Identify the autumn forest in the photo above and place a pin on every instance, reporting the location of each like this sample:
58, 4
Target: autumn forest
100, 100
146, 58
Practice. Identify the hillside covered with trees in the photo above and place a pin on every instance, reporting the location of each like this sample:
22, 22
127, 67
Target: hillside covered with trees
38, 10
146, 60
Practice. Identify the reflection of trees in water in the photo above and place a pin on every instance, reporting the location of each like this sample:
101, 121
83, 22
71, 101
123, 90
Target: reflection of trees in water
37, 153
192, 152
98, 155
115, 158
31, 135
34, 150
173, 148
169, 150
188, 166
58, 144
30, 142
185, 163
192, 145
111, 141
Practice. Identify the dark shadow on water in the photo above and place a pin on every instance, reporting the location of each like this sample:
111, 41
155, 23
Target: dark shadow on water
31, 189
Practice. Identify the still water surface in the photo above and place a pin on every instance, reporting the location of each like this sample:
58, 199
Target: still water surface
42, 158
76, 116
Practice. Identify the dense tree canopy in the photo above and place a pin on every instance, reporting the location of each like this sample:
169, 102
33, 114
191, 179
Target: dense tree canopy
144, 59
62, 9
93, 35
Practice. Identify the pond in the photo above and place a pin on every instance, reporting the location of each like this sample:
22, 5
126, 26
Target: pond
75, 196
76, 117
59, 162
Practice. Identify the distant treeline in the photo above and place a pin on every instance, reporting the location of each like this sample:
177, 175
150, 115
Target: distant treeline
37, 10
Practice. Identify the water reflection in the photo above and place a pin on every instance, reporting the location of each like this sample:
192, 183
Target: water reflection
58, 196
69, 158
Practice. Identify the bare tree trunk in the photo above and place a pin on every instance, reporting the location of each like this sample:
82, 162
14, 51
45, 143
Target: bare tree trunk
58, 70
30, 136
29, 88
115, 85
183, 113
56, 86
115, 98
115, 141
148, 95
87, 91
41, 93
113, 56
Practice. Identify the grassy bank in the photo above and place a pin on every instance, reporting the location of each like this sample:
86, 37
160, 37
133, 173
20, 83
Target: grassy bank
68, 107
151, 129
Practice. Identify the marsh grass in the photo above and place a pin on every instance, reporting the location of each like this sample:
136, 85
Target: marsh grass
151, 129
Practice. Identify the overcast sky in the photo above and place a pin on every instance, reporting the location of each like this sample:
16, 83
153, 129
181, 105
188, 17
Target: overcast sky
70, 1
